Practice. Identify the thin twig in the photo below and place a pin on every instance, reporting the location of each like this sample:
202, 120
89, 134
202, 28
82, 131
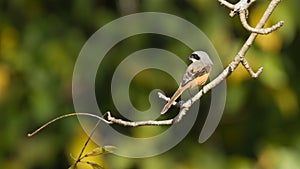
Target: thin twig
249, 69
64, 116
162, 96
80, 157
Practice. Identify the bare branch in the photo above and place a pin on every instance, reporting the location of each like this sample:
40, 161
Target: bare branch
233, 65
242, 9
264, 31
227, 4
162, 96
241, 5
250, 40
139, 123
249, 69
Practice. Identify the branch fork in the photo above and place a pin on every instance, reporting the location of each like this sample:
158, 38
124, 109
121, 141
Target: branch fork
241, 8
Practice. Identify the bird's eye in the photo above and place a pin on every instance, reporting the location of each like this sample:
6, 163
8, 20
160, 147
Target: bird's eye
196, 56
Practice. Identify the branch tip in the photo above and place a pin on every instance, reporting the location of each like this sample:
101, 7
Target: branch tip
259, 71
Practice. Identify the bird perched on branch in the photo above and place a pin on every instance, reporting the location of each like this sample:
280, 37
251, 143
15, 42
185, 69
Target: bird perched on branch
195, 75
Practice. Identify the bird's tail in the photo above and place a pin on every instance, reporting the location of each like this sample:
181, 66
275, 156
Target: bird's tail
171, 101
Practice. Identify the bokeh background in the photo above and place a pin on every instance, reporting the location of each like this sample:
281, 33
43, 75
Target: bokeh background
39, 44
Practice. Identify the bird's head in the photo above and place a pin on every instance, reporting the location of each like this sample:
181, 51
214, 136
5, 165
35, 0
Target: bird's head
200, 55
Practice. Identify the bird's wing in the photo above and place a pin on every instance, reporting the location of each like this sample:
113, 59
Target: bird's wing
193, 71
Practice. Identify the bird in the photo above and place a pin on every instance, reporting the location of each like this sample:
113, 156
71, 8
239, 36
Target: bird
195, 75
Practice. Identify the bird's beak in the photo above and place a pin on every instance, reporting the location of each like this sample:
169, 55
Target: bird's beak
189, 57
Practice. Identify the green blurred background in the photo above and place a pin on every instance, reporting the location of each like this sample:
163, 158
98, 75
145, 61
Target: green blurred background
39, 44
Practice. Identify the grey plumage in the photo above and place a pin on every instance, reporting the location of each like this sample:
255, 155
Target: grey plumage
200, 67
